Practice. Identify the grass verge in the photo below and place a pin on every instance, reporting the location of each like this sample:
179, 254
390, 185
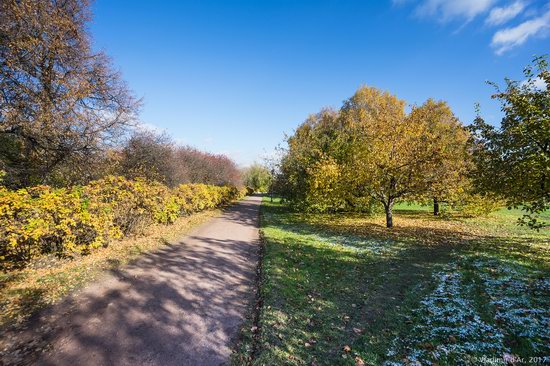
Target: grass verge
343, 289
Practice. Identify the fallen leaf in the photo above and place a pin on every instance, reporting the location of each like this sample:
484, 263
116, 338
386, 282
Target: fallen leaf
428, 346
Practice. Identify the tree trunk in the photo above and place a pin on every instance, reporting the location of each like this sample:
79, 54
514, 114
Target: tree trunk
436, 207
389, 214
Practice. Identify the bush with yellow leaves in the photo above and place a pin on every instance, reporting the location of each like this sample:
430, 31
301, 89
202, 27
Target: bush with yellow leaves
64, 221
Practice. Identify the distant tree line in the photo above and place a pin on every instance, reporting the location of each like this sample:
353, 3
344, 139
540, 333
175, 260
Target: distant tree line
371, 153
156, 157
66, 117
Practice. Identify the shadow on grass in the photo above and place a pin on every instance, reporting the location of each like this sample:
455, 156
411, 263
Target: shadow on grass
326, 299
421, 230
319, 298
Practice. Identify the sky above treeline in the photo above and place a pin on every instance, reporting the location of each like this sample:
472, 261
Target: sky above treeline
233, 77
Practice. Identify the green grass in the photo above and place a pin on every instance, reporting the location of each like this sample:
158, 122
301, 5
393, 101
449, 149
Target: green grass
343, 289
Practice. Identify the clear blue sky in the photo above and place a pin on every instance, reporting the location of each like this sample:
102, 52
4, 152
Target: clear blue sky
233, 76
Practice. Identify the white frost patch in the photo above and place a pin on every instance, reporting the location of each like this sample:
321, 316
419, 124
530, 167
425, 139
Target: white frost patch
518, 297
449, 328
361, 244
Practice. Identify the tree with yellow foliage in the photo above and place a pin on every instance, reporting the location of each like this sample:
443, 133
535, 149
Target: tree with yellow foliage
399, 155
449, 181
373, 150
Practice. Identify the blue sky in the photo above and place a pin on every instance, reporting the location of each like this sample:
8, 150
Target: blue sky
233, 76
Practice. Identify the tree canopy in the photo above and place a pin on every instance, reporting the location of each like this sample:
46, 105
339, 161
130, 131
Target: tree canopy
156, 157
513, 160
59, 102
399, 155
371, 149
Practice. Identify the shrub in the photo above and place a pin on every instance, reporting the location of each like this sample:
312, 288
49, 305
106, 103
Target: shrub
42, 220
472, 205
64, 221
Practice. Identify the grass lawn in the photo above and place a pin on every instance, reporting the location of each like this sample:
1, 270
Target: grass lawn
343, 289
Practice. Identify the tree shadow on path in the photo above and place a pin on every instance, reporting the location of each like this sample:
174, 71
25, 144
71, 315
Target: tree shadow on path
181, 305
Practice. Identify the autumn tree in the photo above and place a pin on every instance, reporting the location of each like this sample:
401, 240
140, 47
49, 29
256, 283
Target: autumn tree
257, 177
155, 156
449, 182
204, 167
513, 160
398, 155
60, 102
310, 168
373, 150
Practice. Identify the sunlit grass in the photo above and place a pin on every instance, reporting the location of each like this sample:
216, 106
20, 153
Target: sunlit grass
343, 289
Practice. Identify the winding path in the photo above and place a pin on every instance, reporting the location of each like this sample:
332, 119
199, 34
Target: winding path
182, 305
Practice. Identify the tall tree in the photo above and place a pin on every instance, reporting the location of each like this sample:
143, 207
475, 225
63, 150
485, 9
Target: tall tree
449, 179
59, 101
513, 160
396, 155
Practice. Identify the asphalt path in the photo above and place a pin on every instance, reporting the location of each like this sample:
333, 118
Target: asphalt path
182, 305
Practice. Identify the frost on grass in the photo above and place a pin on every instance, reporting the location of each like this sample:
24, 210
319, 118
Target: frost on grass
360, 244
355, 243
448, 326
521, 301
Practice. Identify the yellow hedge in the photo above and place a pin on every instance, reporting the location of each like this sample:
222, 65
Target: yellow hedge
42, 220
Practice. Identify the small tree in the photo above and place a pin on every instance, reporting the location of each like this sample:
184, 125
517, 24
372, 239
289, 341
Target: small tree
150, 156
257, 177
513, 160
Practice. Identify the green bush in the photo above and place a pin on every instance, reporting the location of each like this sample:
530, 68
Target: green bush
473, 205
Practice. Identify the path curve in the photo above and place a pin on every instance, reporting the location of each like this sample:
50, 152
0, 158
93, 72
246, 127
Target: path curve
182, 305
